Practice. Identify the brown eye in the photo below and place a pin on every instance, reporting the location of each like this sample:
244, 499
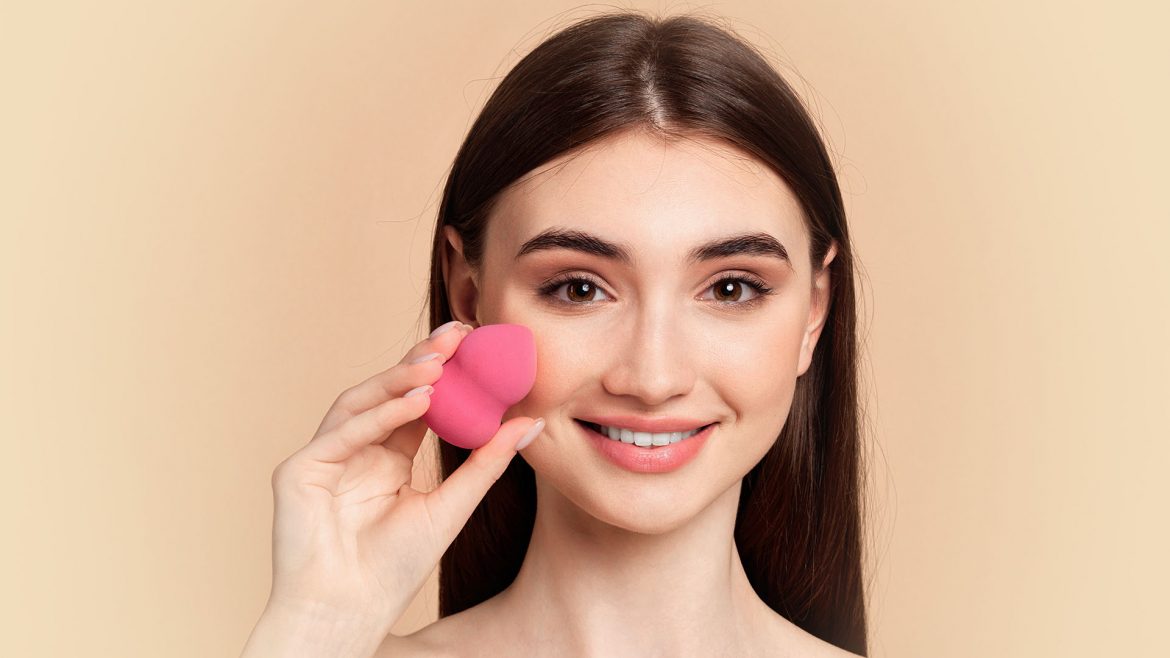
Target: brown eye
581, 291
726, 290
584, 287
729, 290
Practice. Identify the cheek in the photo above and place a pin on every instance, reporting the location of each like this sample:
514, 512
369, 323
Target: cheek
757, 386
566, 361
566, 365
756, 354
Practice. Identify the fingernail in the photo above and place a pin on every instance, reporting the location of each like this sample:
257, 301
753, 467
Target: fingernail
531, 434
425, 357
426, 389
446, 327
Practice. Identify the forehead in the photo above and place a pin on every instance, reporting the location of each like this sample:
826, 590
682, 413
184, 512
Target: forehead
659, 197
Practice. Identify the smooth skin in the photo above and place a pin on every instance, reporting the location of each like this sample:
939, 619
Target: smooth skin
353, 540
623, 563
619, 563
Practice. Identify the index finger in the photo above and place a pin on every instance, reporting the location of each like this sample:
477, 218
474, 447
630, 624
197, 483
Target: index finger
389, 383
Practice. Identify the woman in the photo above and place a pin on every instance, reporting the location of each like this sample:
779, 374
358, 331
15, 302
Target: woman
652, 200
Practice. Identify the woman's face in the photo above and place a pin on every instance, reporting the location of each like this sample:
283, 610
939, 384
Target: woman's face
659, 336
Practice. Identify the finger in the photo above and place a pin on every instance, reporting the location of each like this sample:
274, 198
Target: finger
453, 501
444, 339
386, 385
407, 439
394, 381
367, 428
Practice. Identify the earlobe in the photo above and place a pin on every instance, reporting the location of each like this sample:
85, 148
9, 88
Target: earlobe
459, 279
818, 311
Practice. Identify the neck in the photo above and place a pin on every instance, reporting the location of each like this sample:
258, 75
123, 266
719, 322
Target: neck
587, 587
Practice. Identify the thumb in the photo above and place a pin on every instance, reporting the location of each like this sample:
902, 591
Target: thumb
453, 501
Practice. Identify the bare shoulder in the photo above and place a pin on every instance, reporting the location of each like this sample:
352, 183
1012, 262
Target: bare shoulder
445, 638
827, 650
434, 640
801, 642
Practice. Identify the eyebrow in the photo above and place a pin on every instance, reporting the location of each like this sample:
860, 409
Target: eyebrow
750, 244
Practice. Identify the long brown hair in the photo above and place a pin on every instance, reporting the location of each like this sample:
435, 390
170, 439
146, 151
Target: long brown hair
798, 527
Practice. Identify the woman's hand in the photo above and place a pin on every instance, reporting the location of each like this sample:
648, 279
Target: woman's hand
353, 541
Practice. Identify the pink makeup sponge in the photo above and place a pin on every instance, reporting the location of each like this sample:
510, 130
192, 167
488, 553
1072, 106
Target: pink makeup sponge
493, 368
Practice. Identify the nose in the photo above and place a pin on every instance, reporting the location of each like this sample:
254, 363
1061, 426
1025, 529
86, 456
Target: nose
653, 360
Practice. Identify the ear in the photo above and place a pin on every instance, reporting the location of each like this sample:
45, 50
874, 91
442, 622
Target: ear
818, 311
458, 276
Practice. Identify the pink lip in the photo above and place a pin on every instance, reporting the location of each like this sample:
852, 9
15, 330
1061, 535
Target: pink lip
657, 459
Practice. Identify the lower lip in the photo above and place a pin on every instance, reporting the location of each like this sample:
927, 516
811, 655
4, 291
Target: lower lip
658, 459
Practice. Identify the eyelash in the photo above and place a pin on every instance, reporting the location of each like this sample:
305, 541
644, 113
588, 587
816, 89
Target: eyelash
762, 289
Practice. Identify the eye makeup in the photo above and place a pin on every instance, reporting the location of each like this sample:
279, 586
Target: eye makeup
762, 290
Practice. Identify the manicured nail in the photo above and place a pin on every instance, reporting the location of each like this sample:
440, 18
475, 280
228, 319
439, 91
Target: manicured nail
447, 327
425, 357
531, 434
426, 389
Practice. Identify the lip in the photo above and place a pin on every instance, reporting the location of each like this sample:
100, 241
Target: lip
657, 459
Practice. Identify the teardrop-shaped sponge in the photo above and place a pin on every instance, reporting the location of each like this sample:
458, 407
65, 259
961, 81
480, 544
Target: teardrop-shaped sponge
493, 368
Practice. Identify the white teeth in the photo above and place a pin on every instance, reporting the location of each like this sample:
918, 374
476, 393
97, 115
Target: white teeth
645, 439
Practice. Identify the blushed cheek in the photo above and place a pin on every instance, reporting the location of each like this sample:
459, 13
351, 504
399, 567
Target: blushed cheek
563, 362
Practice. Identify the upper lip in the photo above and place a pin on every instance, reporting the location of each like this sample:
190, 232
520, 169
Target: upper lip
648, 424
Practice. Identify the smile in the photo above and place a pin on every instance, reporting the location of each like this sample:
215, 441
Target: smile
641, 439
646, 457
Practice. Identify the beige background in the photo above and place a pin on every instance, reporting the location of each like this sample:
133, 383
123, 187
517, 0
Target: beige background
216, 217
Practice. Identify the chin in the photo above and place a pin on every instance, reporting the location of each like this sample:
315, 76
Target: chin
661, 506
648, 524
